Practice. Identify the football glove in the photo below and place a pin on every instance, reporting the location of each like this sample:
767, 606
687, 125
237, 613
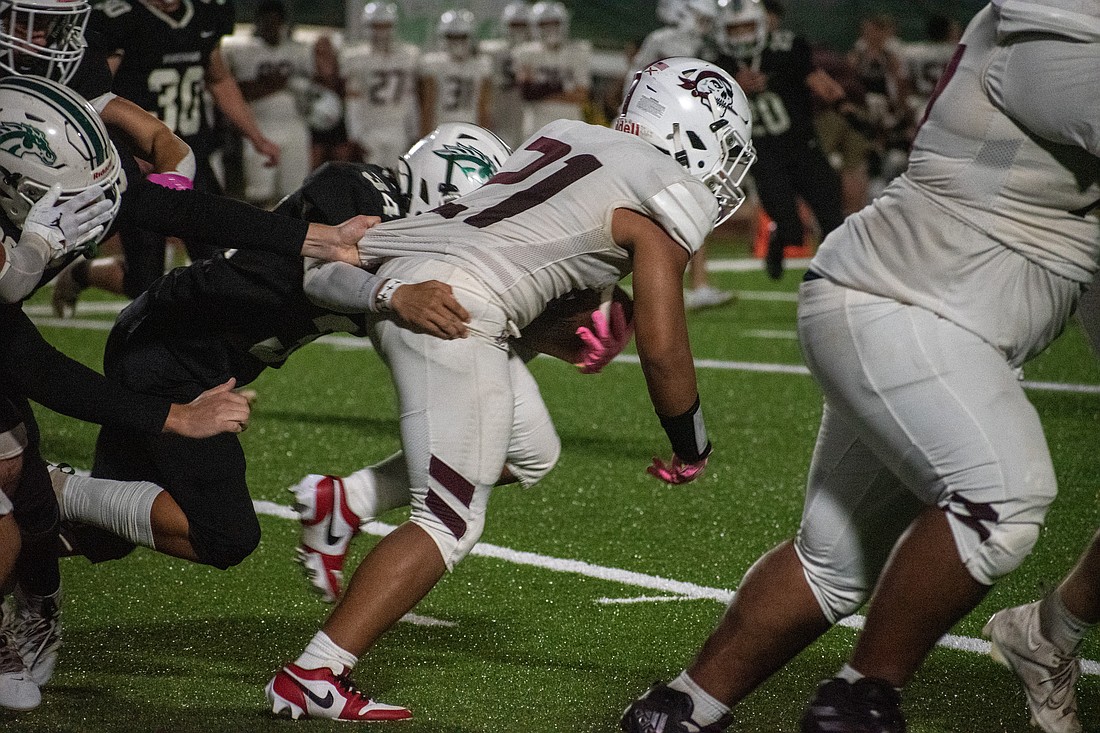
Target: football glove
605, 340
69, 225
676, 471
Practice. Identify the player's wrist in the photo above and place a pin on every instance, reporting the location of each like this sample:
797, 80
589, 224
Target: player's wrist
688, 434
383, 299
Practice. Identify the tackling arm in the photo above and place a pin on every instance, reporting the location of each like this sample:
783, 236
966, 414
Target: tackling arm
167, 152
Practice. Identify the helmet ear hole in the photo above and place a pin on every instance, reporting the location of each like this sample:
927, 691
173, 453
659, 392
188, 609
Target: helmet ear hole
453, 160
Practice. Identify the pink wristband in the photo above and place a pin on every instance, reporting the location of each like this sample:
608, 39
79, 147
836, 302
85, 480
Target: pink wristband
174, 181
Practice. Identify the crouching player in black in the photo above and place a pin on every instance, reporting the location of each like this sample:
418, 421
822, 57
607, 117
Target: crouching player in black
231, 316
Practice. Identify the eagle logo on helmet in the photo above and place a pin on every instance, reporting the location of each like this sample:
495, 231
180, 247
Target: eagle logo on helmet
20, 139
712, 89
471, 161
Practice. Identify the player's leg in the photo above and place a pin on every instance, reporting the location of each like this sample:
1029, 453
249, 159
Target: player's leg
294, 160
456, 415
854, 511
534, 446
943, 410
819, 185
18, 690
780, 203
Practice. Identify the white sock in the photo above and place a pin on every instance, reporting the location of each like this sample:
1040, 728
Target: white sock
706, 709
376, 489
121, 507
1059, 624
321, 651
850, 674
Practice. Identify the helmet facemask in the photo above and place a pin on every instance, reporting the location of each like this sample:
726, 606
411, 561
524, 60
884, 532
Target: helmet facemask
38, 39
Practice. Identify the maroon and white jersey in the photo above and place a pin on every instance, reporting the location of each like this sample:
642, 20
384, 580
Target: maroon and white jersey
458, 84
541, 226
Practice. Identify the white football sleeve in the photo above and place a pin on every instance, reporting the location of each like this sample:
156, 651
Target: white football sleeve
686, 210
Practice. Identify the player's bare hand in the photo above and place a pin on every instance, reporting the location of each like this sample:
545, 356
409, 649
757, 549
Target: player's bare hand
824, 86
751, 81
338, 243
270, 150
217, 410
430, 307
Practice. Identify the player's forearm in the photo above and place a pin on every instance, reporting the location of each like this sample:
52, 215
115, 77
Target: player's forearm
21, 266
341, 287
227, 95
166, 151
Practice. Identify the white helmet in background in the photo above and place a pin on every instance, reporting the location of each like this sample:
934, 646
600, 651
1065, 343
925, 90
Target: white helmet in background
695, 112
455, 33
452, 160
698, 16
550, 23
50, 135
379, 24
321, 107
43, 37
668, 11
742, 27
515, 23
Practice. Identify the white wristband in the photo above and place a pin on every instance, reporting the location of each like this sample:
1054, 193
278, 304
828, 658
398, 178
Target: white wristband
382, 301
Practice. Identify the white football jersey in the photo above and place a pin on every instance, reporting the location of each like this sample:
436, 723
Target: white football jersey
507, 102
458, 85
250, 58
982, 190
926, 62
564, 69
380, 89
1076, 19
541, 226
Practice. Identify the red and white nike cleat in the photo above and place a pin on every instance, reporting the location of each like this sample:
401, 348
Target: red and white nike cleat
319, 693
328, 524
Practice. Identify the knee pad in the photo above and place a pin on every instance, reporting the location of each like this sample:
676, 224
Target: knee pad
994, 549
453, 519
223, 550
837, 594
530, 467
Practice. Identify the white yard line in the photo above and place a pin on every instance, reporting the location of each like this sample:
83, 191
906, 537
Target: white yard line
680, 589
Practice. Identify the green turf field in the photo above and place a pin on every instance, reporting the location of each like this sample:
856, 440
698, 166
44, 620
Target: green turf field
518, 639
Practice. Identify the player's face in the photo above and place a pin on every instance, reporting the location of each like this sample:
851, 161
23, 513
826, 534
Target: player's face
458, 45
551, 32
744, 33
381, 35
269, 27
518, 31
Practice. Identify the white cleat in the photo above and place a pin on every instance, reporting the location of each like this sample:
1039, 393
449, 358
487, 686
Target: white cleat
1049, 677
17, 689
35, 630
328, 525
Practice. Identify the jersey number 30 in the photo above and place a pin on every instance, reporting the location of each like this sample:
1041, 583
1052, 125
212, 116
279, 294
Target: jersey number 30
179, 97
573, 169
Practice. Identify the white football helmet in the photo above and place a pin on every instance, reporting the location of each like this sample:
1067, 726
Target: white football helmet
452, 160
455, 33
695, 112
43, 37
379, 24
742, 27
49, 134
515, 23
550, 23
668, 11
697, 16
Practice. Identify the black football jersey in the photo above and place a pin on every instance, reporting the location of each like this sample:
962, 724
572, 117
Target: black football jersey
164, 59
243, 311
784, 111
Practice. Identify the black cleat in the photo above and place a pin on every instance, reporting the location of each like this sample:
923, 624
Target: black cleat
665, 710
773, 260
869, 705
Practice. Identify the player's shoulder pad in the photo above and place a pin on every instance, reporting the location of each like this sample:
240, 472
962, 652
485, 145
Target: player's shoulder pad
113, 8
686, 210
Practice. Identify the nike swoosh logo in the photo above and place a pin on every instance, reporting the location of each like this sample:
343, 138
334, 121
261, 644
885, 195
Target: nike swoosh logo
325, 702
331, 538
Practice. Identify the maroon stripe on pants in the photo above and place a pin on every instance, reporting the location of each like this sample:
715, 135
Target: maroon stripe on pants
458, 487
451, 480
